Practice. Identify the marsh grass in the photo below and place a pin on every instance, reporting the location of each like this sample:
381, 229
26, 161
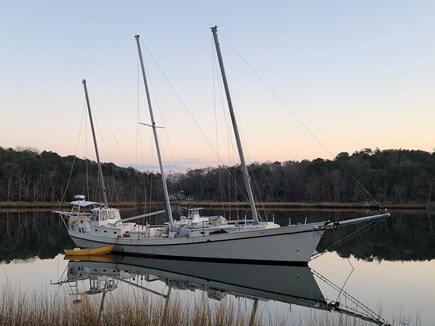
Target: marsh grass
21, 308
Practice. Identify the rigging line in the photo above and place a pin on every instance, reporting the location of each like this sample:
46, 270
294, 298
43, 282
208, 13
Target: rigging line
150, 176
108, 126
231, 144
164, 155
243, 140
370, 316
111, 132
75, 153
347, 279
161, 117
179, 98
348, 296
300, 121
146, 178
101, 139
347, 238
231, 150
183, 104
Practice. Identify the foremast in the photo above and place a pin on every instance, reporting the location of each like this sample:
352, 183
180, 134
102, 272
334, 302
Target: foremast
100, 171
156, 140
245, 173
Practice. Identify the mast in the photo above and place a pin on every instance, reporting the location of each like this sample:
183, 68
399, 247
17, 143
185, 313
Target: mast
100, 171
246, 177
156, 140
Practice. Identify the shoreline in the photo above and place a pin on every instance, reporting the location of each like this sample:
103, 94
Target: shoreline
225, 205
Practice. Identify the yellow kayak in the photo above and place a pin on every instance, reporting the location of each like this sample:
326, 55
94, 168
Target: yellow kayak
89, 252
100, 259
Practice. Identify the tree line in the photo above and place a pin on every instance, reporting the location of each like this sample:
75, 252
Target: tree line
385, 175
29, 176
395, 175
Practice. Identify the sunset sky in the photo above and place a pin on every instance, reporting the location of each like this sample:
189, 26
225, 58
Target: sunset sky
358, 74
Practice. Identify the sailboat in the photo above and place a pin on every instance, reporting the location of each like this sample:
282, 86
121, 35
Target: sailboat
203, 238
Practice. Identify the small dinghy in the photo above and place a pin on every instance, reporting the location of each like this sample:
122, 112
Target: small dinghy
100, 258
89, 252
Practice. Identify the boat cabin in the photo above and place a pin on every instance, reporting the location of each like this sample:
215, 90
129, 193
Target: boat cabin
105, 215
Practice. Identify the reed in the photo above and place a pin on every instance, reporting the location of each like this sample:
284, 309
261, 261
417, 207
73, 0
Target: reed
21, 308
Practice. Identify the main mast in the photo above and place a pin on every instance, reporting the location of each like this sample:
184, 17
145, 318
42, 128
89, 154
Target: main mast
100, 171
156, 140
246, 177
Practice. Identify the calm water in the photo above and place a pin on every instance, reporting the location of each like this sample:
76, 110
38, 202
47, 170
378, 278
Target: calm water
388, 268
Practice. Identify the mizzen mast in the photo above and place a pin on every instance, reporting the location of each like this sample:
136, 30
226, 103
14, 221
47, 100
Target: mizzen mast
245, 173
100, 171
153, 126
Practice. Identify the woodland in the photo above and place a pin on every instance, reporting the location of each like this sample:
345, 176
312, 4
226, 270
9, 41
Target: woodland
395, 176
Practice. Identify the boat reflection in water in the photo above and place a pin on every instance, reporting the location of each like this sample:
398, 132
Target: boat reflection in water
295, 285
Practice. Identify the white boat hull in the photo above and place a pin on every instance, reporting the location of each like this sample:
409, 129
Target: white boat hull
292, 244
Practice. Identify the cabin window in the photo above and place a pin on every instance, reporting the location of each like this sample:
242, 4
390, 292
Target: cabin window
114, 232
94, 216
103, 215
96, 230
116, 214
105, 231
111, 214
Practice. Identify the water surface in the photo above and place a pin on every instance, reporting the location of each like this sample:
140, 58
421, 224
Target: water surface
387, 268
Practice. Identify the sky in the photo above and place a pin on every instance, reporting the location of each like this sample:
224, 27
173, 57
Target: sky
309, 79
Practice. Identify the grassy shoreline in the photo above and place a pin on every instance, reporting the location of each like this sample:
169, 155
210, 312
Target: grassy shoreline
225, 205
31, 308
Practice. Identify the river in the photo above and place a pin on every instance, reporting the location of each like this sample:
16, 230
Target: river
387, 269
